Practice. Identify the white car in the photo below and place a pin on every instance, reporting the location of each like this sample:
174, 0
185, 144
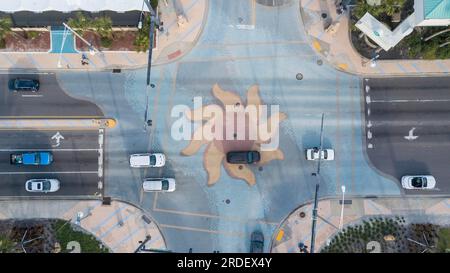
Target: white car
42, 185
418, 182
313, 154
147, 160
159, 184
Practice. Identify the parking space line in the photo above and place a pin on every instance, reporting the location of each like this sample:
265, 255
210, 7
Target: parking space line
63, 172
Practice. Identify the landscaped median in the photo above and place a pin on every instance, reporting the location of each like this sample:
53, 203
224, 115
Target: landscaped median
387, 224
76, 226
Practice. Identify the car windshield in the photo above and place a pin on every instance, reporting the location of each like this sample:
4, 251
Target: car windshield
418, 182
250, 157
152, 160
325, 154
165, 185
46, 185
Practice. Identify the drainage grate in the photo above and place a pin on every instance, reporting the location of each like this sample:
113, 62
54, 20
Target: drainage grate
146, 219
117, 70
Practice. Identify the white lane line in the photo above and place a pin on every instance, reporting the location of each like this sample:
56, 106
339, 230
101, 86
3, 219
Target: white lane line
405, 101
49, 150
32, 96
100, 153
67, 172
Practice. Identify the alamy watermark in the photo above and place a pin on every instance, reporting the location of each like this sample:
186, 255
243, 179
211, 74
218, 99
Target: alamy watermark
234, 122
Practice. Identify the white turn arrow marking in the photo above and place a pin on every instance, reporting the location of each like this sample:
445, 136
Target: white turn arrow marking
58, 138
411, 135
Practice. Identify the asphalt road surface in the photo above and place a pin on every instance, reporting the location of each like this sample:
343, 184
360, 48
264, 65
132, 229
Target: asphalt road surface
75, 165
50, 100
408, 130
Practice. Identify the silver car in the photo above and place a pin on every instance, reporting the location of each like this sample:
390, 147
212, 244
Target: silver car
42, 185
159, 184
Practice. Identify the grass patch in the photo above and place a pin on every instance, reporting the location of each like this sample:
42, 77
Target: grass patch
443, 244
65, 233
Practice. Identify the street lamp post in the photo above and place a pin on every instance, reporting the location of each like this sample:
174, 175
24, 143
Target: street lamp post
342, 207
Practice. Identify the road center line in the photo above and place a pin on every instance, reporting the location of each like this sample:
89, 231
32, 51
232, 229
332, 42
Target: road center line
405, 101
66, 172
49, 150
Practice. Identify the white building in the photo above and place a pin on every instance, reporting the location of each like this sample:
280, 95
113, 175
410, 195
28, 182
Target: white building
426, 13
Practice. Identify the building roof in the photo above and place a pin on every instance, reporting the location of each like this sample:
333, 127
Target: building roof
72, 5
436, 9
381, 34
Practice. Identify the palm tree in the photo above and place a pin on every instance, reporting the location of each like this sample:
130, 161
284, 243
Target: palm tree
5, 29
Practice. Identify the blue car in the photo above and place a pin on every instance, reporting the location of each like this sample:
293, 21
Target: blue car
23, 85
32, 158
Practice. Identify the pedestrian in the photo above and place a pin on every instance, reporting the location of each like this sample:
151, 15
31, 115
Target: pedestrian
84, 59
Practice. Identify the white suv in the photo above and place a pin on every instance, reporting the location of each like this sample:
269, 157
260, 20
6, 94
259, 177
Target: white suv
147, 160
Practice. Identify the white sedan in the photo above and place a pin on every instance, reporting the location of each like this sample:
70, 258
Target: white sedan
313, 154
418, 182
159, 184
147, 160
42, 185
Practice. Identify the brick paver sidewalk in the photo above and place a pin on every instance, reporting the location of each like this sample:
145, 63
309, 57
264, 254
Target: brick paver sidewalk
338, 50
296, 227
171, 44
120, 226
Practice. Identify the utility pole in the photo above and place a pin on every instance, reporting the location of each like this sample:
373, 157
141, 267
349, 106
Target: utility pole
317, 175
154, 20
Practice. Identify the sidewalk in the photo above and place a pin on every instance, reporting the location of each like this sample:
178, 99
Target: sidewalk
173, 43
119, 226
295, 229
56, 123
338, 50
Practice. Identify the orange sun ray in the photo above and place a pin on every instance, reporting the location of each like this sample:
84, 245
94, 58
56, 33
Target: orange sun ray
226, 97
212, 161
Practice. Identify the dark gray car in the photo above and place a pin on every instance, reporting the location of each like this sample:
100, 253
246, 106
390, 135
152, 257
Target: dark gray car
23, 85
243, 157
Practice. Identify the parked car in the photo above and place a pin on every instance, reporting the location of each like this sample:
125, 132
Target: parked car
257, 242
159, 184
147, 160
243, 157
418, 182
42, 185
313, 154
23, 85
32, 158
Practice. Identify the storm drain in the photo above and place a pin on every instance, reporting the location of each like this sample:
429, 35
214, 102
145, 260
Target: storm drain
117, 70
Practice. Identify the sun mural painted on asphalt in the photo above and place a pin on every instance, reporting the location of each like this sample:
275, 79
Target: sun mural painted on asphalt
216, 149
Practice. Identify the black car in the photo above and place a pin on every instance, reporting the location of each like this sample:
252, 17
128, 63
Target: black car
23, 85
243, 157
257, 242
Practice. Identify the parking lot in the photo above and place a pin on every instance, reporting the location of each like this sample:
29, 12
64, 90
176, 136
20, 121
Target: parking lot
77, 161
407, 128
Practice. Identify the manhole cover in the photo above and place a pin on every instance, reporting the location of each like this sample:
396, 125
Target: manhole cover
299, 76
302, 214
227, 201
319, 62
324, 15
240, 167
